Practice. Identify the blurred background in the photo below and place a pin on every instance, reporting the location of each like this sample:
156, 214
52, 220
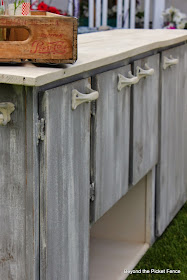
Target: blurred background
99, 14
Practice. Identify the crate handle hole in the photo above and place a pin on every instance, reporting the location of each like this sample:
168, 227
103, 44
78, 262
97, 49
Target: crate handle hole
14, 34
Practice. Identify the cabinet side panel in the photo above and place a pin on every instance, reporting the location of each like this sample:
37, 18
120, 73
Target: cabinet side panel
112, 129
171, 191
65, 180
184, 85
13, 187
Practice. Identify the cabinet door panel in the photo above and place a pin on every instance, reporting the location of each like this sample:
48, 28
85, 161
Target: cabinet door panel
171, 190
65, 180
145, 121
111, 139
184, 83
19, 247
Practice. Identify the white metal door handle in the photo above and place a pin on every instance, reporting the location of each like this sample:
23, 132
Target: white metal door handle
6, 108
142, 73
79, 98
126, 81
169, 62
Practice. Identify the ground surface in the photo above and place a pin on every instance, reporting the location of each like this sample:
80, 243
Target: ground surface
168, 252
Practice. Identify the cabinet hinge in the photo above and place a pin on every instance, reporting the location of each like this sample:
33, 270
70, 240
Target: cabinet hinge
92, 191
93, 108
40, 130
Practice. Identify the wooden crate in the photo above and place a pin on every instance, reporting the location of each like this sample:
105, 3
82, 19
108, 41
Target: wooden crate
42, 38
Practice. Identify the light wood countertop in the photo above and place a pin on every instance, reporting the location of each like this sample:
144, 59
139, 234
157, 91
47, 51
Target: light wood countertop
95, 50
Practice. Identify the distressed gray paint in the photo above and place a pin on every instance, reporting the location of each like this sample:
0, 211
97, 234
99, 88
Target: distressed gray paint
65, 180
145, 121
171, 190
112, 125
32, 193
184, 85
19, 228
65, 177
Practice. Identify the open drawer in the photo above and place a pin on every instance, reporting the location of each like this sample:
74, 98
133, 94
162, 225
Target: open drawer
121, 237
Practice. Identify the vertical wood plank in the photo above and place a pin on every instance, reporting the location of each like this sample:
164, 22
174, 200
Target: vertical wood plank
158, 8
91, 13
185, 120
119, 14
76, 8
70, 7
32, 194
145, 120
146, 14
19, 242
111, 137
132, 13
13, 188
98, 13
104, 12
65, 181
171, 189
126, 14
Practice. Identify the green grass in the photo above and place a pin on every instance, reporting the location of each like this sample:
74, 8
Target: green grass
168, 252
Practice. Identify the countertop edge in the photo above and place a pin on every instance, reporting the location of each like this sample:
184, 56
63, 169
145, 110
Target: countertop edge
62, 73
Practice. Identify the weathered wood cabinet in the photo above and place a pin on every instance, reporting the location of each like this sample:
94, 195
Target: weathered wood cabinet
19, 187
145, 119
64, 184
111, 136
171, 188
78, 183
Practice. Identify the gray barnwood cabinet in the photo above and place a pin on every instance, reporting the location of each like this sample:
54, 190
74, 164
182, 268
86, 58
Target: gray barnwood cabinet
80, 162
111, 137
19, 186
171, 188
145, 119
64, 185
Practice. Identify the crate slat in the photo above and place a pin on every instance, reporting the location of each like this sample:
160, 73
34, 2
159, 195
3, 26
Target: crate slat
48, 38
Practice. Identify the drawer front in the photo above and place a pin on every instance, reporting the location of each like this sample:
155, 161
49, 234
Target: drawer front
111, 138
171, 189
144, 149
65, 180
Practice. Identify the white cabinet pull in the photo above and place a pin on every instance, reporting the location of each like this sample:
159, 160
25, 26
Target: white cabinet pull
79, 98
142, 73
169, 61
6, 108
124, 81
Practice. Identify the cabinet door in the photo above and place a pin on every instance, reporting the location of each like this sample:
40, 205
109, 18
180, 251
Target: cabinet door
111, 138
65, 181
185, 119
171, 190
19, 247
144, 150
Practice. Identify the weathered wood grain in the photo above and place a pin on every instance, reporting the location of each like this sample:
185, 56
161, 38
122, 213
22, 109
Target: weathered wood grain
98, 49
171, 190
32, 190
112, 129
145, 121
65, 181
184, 85
45, 39
19, 230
